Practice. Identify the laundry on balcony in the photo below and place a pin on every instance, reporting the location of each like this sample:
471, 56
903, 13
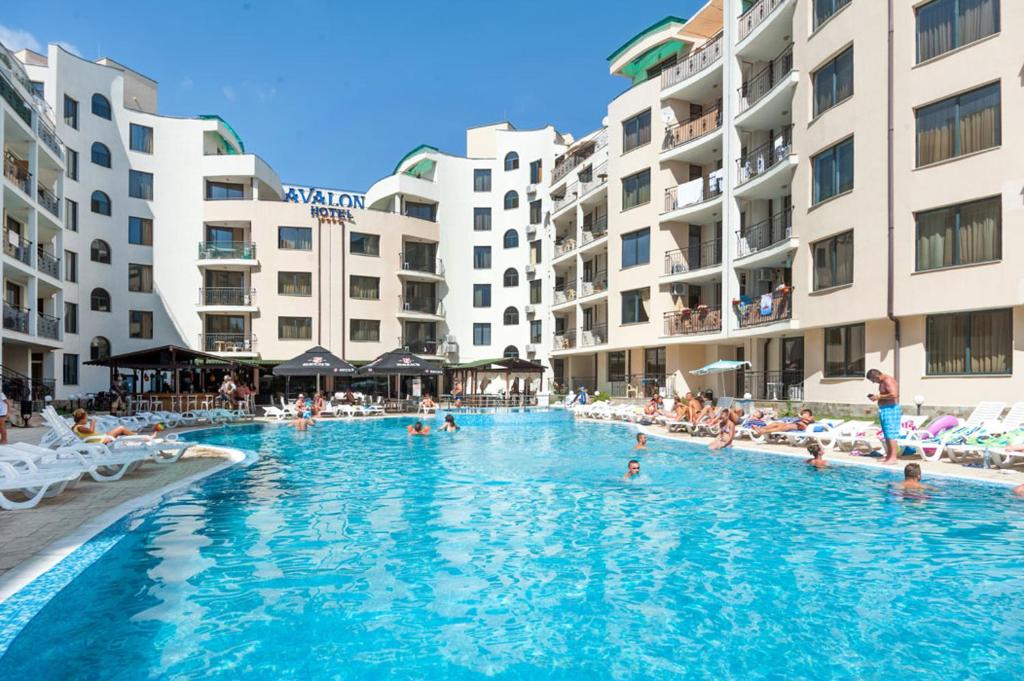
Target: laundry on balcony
766, 304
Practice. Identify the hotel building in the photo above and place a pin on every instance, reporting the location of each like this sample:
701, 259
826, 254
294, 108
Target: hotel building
786, 182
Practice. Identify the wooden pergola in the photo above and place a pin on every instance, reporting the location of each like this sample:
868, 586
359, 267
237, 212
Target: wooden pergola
172, 359
468, 373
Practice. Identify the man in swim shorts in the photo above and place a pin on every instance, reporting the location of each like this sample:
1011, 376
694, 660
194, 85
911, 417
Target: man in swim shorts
632, 470
889, 412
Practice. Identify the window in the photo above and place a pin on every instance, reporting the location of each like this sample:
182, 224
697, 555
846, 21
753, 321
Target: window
70, 113
833, 171
511, 316
536, 171
295, 238
636, 189
71, 215
39, 89
511, 352
481, 334
99, 203
536, 212
140, 138
140, 324
636, 248
636, 131
945, 25
364, 244
99, 348
295, 283
70, 317
101, 106
423, 211
70, 266
969, 343
844, 351
634, 306
101, 154
511, 161
481, 295
481, 257
224, 191
364, 288
364, 330
960, 235
536, 329
71, 163
511, 278
511, 200
294, 328
481, 219
511, 239
99, 251
535, 292
99, 300
617, 366
833, 82
70, 372
140, 231
140, 278
959, 125
482, 180
140, 185
833, 261
824, 9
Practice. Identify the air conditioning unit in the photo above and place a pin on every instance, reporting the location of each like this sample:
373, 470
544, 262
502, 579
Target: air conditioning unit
450, 338
531, 230
531, 270
679, 289
530, 309
531, 189
531, 349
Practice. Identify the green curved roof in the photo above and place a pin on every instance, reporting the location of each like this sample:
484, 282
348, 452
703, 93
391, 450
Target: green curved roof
644, 33
422, 147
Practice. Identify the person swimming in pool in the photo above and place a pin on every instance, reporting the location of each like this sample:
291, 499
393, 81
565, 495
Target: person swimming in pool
641, 441
1018, 491
632, 470
912, 480
449, 425
418, 429
303, 421
817, 456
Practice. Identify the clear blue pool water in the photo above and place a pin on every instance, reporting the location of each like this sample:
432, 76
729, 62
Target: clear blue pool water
514, 550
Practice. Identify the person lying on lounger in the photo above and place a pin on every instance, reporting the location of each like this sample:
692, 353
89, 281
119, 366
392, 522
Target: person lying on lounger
788, 424
728, 420
817, 456
86, 428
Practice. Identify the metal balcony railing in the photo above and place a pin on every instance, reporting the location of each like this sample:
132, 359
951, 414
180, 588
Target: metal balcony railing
785, 384
595, 335
765, 234
16, 174
47, 263
595, 230
16, 318
565, 245
701, 319
424, 304
767, 309
564, 341
694, 128
227, 250
227, 296
48, 200
420, 346
706, 254
572, 192
596, 283
17, 247
760, 160
227, 342
16, 101
756, 15
636, 385
50, 139
564, 293
693, 192
593, 179
708, 54
579, 156
764, 81
48, 326
415, 262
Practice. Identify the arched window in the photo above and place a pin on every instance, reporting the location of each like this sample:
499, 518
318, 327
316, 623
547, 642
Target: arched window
100, 154
511, 352
99, 348
101, 106
511, 316
511, 200
511, 239
100, 203
511, 161
511, 277
99, 301
100, 251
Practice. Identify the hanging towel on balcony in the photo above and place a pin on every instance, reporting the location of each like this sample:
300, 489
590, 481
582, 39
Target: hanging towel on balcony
766, 304
690, 193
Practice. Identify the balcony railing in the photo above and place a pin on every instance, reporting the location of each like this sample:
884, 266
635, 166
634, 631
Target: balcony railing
761, 83
576, 158
635, 385
17, 247
227, 296
701, 319
564, 293
16, 318
756, 15
227, 250
693, 192
227, 342
572, 192
566, 245
597, 283
765, 234
48, 326
414, 262
595, 335
595, 230
593, 179
765, 157
16, 101
689, 130
49, 201
424, 304
420, 346
50, 139
786, 384
47, 263
564, 341
706, 254
698, 60
16, 174
766, 309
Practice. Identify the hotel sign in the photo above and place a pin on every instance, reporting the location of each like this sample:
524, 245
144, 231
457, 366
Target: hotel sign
330, 205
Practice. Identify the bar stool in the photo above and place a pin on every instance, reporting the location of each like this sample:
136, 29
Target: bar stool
207, 403
192, 403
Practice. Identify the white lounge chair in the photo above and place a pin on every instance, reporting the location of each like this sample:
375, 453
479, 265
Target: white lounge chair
99, 462
931, 448
160, 450
976, 444
850, 429
815, 432
32, 483
870, 437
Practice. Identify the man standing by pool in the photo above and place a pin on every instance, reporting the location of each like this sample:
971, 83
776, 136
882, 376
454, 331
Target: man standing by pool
889, 413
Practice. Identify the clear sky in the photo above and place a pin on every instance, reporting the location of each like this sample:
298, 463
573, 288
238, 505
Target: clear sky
334, 93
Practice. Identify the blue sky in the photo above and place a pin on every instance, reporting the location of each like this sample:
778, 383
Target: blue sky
334, 93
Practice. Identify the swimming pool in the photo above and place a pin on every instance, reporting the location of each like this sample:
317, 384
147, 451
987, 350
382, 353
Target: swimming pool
513, 549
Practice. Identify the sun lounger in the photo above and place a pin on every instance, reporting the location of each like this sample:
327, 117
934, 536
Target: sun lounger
976, 444
161, 450
32, 483
931, 447
98, 461
821, 430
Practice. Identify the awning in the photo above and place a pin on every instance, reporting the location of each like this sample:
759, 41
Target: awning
721, 366
317, 361
165, 357
502, 364
400, 363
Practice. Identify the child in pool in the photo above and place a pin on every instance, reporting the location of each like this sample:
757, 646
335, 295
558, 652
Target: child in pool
817, 456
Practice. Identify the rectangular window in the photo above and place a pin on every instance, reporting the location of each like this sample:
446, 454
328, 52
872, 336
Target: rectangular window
960, 235
70, 317
364, 244
364, 330
833, 171
959, 125
140, 138
481, 334
535, 292
71, 164
71, 120
536, 330
945, 25
71, 215
295, 283
481, 219
636, 248
294, 328
969, 343
481, 295
536, 173
616, 366
140, 185
844, 351
536, 212
824, 9
70, 376
140, 231
70, 266
833, 261
140, 278
423, 211
295, 238
636, 131
482, 180
224, 191
140, 324
636, 189
364, 288
833, 82
634, 306
481, 257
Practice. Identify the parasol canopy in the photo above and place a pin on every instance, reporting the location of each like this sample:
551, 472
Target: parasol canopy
721, 366
400, 363
317, 361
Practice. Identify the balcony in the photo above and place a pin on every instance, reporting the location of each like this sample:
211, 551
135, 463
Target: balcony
694, 202
762, 83
696, 127
49, 201
636, 385
595, 335
50, 139
17, 174
593, 179
227, 296
787, 384
566, 199
762, 160
16, 101
564, 246
597, 283
577, 157
767, 309
564, 293
691, 258
755, 16
47, 263
227, 250
48, 326
420, 264
236, 343
17, 247
421, 346
422, 305
16, 318
765, 234
710, 53
594, 231
564, 341
699, 320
